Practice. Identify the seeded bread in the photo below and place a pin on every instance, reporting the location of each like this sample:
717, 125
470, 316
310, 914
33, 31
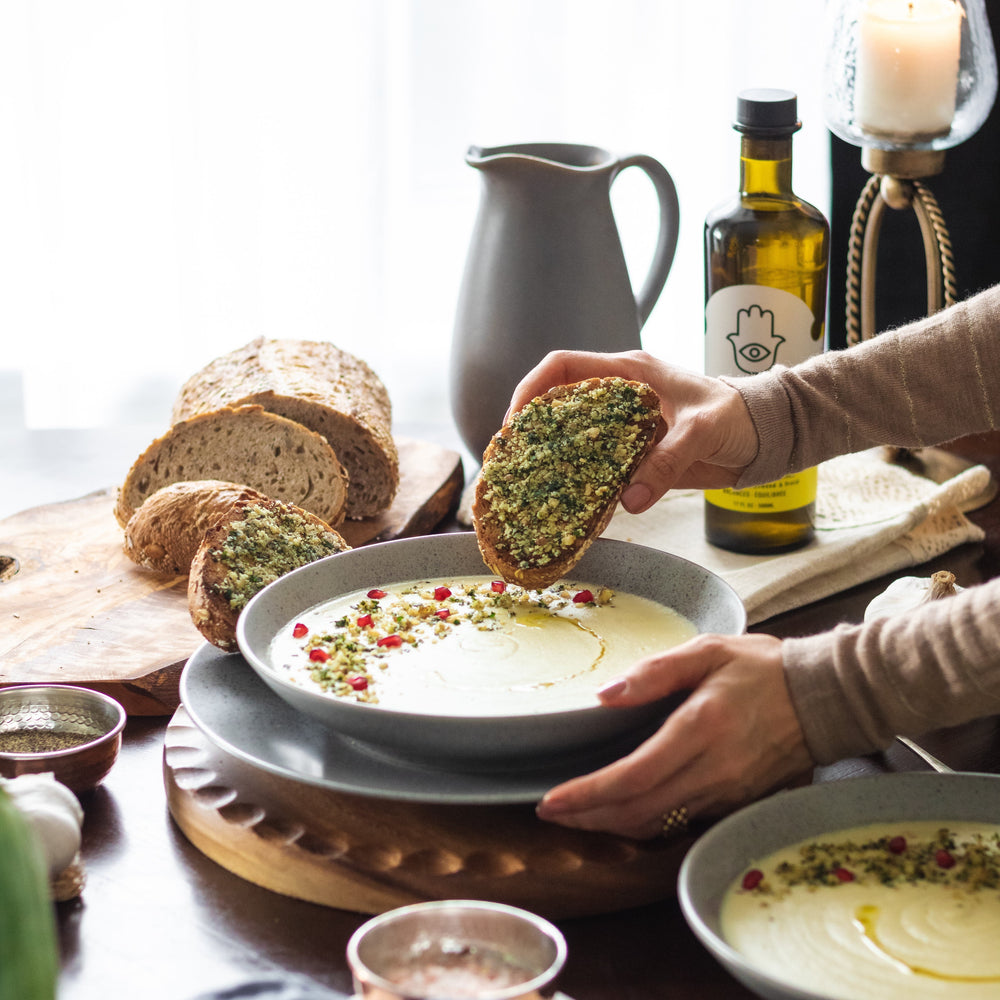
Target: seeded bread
165, 531
320, 386
254, 544
269, 453
552, 476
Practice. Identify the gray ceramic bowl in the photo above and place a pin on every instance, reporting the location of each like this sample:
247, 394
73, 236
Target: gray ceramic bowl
74, 732
734, 844
479, 741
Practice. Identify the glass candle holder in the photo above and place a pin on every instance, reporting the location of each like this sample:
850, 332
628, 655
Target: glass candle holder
908, 74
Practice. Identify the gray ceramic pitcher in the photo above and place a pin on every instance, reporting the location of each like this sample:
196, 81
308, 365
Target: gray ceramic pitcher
545, 270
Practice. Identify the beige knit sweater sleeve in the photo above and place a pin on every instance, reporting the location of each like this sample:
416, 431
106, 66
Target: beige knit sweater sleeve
856, 687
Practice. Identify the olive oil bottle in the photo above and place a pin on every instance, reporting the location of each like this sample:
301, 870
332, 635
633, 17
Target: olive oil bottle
766, 254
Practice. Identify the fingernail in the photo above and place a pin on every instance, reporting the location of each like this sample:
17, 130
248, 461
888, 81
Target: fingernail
546, 809
636, 498
612, 688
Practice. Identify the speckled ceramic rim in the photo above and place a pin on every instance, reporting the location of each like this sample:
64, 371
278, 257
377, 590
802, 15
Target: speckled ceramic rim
500, 913
107, 706
736, 843
692, 590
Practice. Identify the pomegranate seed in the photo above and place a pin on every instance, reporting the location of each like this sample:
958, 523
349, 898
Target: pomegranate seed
376, 594
498, 586
358, 682
753, 878
300, 630
365, 621
897, 845
583, 597
319, 655
441, 593
390, 640
944, 858
843, 875
443, 614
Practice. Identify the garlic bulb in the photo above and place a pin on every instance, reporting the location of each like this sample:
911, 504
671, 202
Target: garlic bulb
54, 813
908, 592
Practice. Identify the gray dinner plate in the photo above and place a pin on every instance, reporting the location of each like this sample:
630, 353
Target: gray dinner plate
238, 712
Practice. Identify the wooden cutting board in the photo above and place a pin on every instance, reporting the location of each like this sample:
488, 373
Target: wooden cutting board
75, 610
367, 855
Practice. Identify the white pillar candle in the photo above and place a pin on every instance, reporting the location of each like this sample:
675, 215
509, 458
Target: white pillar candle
907, 67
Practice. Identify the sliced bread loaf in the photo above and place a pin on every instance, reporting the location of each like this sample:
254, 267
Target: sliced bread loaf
269, 453
165, 531
256, 542
320, 386
552, 476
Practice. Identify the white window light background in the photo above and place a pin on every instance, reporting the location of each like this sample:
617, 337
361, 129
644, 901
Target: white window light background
178, 177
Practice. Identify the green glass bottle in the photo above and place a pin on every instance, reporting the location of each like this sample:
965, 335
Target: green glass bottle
766, 253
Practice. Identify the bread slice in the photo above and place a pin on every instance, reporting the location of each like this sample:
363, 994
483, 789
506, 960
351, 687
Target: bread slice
552, 476
256, 542
165, 531
269, 453
321, 387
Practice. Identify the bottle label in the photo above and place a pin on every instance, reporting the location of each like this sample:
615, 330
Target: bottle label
749, 329
786, 494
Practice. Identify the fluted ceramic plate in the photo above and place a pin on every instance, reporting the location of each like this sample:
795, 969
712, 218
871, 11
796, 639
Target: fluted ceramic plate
476, 740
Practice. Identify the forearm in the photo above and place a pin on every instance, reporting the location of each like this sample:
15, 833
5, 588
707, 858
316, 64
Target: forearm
926, 383
857, 687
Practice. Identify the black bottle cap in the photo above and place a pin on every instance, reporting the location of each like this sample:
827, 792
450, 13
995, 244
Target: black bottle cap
766, 112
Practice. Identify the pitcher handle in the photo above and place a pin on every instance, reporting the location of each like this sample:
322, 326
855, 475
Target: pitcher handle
666, 239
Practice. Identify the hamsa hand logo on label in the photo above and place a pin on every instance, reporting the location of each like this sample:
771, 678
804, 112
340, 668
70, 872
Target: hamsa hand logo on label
751, 328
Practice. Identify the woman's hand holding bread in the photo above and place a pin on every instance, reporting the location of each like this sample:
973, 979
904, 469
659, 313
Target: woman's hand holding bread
706, 439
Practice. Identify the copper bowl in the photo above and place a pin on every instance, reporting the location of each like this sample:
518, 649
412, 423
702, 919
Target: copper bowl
73, 732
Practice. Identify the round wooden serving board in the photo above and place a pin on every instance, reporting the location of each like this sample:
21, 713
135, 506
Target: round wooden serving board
368, 854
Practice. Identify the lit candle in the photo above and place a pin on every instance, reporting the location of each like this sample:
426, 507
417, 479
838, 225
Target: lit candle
907, 67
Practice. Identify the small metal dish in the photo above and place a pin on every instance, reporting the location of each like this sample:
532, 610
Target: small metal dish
73, 732
412, 952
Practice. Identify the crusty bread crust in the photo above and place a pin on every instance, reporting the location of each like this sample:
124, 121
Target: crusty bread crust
269, 453
555, 471
321, 387
271, 538
164, 533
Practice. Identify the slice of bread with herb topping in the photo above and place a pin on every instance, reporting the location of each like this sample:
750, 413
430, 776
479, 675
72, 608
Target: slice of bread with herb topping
256, 542
244, 444
552, 476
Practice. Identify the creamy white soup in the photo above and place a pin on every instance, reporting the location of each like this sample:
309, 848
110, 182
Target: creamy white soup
911, 909
473, 645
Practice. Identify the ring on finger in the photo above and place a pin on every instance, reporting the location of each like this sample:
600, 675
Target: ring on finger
674, 822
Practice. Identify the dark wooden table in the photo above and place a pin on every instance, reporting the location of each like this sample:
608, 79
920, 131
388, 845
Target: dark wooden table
159, 920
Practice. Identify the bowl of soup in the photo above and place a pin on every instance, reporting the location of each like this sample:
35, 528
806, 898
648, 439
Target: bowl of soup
860, 889
413, 648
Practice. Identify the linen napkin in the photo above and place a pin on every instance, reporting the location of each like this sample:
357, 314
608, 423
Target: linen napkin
873, 516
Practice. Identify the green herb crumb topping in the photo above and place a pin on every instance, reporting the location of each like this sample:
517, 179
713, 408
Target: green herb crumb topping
972, 863
557, 466
265, 545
